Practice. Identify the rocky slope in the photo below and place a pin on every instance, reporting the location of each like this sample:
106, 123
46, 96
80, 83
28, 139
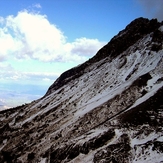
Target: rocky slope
108, 109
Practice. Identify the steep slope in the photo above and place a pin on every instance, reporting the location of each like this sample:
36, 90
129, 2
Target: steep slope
109, 109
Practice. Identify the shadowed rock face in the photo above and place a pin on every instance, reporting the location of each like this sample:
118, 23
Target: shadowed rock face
109, 109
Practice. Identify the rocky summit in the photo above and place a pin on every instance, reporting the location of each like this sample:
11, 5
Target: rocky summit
106, 110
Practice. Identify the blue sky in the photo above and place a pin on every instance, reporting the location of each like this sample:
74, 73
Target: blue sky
41, 39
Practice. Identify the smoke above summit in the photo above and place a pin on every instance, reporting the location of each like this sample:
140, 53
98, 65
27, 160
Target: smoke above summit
153, 8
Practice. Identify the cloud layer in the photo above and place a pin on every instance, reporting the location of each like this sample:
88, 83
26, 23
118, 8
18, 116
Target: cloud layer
31, 35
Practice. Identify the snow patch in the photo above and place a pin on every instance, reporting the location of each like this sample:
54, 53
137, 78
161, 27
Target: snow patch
146, 96
161, 28
91, 134
43, 160
82, 158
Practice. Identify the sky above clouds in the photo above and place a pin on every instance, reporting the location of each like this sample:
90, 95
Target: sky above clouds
41, 39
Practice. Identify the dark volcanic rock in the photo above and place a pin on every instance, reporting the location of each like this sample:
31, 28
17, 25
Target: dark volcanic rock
119, 152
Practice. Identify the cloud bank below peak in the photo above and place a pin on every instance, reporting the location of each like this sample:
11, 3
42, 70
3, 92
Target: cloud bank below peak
29, 35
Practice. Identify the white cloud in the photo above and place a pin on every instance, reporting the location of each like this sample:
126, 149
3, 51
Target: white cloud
31, 35
5, 68
10, 74
2, 57
37, 5
28, 76
7, 44
86, 46
1, 19
41, 76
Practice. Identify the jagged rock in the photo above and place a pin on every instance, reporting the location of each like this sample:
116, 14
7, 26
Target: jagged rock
108, 109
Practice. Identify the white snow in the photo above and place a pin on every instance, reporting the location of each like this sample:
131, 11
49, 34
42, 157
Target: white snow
99, 99
147, 95
82, 158
139, 141
160, 138
3, 144
43, 160
152, 81
89, 135
161, 28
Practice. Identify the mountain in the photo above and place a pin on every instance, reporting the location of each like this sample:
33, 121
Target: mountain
108, 109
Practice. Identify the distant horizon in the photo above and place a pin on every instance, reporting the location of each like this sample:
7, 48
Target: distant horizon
40, 40
20, 93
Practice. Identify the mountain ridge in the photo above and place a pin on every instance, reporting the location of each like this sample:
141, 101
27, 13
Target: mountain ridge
140, 26
108, 109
